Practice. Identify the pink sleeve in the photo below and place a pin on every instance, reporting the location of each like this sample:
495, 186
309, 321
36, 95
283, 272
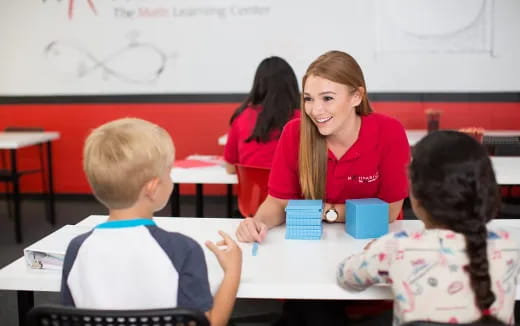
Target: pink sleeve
231, 149
284, 182
395, 158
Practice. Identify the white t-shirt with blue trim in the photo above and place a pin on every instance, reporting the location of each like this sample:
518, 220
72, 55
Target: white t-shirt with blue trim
134, 264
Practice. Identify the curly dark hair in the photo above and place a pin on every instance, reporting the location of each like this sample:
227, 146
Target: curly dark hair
453, 180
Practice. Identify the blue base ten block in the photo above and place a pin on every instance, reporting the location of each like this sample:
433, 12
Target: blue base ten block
303, 219
366, 218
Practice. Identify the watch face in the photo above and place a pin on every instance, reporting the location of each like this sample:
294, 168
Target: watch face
331, 215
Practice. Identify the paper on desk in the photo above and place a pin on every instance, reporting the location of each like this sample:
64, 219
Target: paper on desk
48, 253
202, 157
215, 159
186, 164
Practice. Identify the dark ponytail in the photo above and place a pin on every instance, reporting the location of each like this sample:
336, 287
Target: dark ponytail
453, 180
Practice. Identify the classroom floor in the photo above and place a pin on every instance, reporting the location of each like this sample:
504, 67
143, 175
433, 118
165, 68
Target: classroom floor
71, 210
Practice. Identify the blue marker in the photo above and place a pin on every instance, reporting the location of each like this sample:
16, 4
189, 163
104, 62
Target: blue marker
255, 248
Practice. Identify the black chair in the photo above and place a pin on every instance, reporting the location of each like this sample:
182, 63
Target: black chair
502, 145
425, 323
491, 322
55, 315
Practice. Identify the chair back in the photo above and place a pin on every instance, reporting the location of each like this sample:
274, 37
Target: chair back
482, 322
502, 145
60, 316
23, 129
252, 188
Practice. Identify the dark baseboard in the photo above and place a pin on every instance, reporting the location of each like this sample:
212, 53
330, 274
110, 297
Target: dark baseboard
460, 96
62, 196
40, 196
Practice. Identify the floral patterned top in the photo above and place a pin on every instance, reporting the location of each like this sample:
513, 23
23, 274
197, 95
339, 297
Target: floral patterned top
426, 270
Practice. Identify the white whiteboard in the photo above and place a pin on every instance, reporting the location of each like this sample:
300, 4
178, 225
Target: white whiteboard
83, 47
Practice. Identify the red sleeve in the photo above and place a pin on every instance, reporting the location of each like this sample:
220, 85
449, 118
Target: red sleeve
231, 149
395, 158
284, 182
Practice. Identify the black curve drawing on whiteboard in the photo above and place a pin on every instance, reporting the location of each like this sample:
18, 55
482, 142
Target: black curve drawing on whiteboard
153, 74
459, 30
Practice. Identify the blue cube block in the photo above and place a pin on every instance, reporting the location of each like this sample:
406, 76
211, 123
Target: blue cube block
303, 221
296, 234
304, 237
305, 205
303, 228
366, 218
291, 214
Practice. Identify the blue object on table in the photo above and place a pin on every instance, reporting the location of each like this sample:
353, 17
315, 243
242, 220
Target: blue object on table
305, 205
255, 248
303, 219
366, 218
308, 222
301, 234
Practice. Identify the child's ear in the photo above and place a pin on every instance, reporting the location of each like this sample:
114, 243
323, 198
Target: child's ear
150, 188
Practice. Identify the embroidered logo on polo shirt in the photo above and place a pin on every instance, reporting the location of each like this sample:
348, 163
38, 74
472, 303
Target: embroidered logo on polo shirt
364, 178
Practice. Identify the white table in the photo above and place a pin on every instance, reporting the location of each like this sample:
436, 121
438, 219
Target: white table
13, 141
222, 140
507, 169
414, 135
291, 269
199, 176
208, 175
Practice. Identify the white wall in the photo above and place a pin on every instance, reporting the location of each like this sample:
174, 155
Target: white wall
214, 46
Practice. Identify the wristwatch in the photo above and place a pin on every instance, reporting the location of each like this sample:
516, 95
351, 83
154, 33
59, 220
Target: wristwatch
331, 215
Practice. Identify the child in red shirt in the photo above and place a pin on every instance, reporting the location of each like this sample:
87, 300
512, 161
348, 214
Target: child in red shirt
257, 123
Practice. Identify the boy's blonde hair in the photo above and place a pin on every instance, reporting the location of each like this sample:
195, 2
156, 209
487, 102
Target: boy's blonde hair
121, 156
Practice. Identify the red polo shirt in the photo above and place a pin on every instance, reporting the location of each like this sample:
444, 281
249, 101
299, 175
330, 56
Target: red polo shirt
253, 153
375, 166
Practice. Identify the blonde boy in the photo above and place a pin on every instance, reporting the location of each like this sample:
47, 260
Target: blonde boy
128, 262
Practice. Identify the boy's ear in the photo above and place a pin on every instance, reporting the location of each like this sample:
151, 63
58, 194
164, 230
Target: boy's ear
150, 188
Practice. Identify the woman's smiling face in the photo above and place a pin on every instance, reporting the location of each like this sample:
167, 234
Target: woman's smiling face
330, 105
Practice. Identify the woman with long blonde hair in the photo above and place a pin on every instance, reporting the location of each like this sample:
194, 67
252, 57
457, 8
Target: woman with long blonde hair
339, 149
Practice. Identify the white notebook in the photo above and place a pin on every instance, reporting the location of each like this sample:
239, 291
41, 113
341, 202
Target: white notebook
49, 252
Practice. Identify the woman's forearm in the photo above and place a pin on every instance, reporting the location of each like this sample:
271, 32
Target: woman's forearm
230, 168
340, 208
271, 212
394, 210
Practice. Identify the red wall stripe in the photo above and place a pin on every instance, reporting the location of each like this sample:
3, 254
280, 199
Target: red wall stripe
196, 127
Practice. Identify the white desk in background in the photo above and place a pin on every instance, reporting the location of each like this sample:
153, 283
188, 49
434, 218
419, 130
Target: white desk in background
507, 172
414, 135
290, 269
13, 141
200, 176
507, 169
222, 140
